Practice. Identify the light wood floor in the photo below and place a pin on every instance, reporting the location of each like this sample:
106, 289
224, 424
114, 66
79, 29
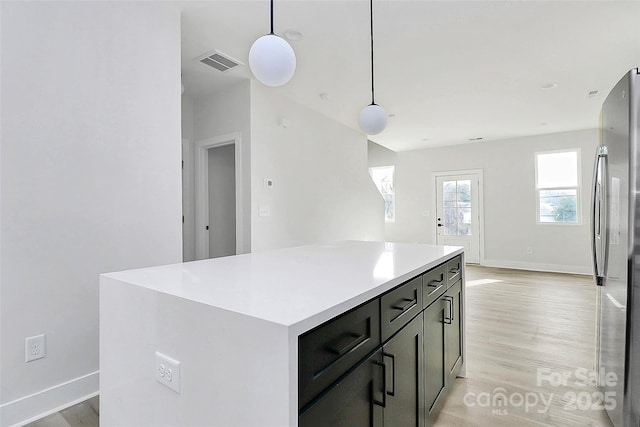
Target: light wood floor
522, 328
517, 322
85, 414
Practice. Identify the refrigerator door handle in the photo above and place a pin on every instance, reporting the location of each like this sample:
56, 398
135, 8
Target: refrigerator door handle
598, 215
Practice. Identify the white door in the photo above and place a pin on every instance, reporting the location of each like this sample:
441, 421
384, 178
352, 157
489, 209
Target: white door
222, 201
458, 213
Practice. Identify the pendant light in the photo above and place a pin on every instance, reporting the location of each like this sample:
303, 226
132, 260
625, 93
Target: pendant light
271, 59
373, 118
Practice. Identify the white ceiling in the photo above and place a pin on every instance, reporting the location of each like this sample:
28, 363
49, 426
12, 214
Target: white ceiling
448, 70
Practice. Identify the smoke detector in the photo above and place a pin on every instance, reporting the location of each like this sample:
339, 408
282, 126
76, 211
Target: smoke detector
220, 61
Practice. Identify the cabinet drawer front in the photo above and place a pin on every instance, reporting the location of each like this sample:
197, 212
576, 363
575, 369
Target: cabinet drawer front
331, 349
400, 305
454, 270
434, 283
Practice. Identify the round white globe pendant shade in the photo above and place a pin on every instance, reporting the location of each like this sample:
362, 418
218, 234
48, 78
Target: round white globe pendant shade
272, 60
373, 119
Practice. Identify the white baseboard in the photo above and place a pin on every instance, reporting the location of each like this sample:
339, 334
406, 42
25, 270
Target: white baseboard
553, 268
49, 401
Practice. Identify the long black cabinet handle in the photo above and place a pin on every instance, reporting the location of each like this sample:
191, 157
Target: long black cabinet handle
435, 284
350, 346
410, 303
449, 319
384, 385
393, 373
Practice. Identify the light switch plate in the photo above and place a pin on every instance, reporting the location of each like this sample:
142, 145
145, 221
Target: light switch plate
168, 371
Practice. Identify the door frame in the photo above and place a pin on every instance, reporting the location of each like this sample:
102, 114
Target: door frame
480, 174
202, 190
188, 238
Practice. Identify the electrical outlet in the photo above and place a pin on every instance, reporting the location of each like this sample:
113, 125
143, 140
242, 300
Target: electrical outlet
529, 250
34, 348
264, 211
168, 371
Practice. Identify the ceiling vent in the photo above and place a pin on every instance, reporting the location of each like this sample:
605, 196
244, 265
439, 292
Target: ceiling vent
219, 61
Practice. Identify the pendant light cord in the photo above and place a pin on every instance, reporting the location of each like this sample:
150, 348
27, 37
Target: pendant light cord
372, 85
271, 16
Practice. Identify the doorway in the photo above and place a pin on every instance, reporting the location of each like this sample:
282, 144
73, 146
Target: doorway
459, 212
218, 197
222, 201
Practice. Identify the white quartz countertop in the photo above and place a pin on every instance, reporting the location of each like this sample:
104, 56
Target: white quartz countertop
299, 287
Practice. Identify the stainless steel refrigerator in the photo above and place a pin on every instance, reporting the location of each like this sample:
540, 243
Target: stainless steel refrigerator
616, 252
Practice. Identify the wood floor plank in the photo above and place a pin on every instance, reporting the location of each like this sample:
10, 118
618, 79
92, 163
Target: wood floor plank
522, 328
82, 414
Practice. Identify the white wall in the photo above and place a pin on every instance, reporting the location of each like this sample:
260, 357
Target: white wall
222, 201
509, 200
90, 179
322, 190
379, 155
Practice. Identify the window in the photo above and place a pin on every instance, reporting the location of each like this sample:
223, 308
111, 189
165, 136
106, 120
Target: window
383, 178
557, 187
456, 198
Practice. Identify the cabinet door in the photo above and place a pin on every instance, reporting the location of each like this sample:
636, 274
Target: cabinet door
356, 400
434, 344
404, 360
453, 335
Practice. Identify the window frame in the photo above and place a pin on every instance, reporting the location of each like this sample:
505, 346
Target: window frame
577, 188
392, 193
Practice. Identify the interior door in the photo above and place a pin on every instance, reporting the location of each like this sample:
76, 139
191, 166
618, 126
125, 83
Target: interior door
222, 200
457, 213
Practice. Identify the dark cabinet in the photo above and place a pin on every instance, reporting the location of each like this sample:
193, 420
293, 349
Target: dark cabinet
434, 355
389, 362
356, 400
434, 283
404, 359
330, 350
399, 306
443, 348
453, 335
454, 270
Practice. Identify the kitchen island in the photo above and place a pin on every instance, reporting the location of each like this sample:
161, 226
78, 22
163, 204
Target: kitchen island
230, 341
